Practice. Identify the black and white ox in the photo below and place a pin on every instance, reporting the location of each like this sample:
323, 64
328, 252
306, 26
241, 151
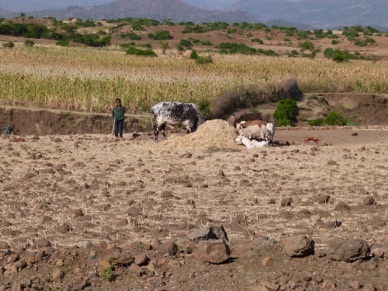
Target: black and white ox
173, 113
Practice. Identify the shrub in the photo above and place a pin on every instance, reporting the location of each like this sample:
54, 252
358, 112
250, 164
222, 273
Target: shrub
107, 274
204, 60
286, 112
29, 43
134, 36
258, 40
9, 45
140, 52
161, 35
316, 122
308, 46
334, 118
186, 43
293, 53
204, 107
206, 42
194, 55
334, 42
62, 43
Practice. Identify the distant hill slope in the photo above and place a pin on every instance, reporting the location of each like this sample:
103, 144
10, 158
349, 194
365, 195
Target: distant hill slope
33, 5
319, 13
175, 10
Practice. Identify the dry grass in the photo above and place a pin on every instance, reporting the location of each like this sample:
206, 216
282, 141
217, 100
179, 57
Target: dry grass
88, 80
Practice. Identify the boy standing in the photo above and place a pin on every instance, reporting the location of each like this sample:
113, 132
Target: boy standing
118, 115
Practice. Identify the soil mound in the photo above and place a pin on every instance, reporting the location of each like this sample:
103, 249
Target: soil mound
212, 133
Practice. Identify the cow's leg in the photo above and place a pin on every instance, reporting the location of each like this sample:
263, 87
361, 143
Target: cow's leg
163, 130
156, 133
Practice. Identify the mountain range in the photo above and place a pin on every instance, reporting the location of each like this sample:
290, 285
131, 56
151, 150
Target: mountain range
319, 13
174, 10
299, 13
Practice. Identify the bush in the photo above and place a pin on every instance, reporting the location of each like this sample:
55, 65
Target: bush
161, 35
9, 45
194, 55
204, 60
62, 43
107, 275
286, 112
29, 43
316, 122
334, 118
140, 52
134, 36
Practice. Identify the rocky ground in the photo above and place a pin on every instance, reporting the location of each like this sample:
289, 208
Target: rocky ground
89, 212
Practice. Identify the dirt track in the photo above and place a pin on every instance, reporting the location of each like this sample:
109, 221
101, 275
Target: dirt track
89, 190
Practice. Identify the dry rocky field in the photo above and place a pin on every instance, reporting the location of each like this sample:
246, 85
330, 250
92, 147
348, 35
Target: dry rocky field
196, 212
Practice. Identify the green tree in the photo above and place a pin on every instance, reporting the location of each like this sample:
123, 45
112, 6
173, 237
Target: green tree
286, 112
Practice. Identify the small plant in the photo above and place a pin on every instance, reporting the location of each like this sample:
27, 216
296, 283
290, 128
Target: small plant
165, 46
108, 274
29, 43
293, 54
9, 45
140, 52
334, 118
194, 55
258, 40
316, 122
203, 60
286, 112
62, 43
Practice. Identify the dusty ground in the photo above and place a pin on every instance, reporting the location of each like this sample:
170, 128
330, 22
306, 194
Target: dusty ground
77, 197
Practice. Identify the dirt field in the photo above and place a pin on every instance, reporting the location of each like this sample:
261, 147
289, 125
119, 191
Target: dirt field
72, 203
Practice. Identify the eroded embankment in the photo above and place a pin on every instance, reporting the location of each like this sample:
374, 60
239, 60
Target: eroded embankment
46, 122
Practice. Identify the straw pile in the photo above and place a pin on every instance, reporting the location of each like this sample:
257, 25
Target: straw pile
213, 133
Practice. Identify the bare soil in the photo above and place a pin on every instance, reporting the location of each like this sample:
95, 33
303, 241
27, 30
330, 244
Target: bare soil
71, 203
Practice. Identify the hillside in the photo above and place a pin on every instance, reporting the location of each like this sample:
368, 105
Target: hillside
319, 13
174, 10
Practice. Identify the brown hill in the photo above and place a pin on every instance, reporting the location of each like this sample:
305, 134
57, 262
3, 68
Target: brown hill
174, 10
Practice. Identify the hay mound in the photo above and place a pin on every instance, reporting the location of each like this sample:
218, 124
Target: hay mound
212, 133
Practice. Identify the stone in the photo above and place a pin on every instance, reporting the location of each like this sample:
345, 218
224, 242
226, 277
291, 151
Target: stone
58, 274
169, 248
267, 261
141, 260
298, 245
42, 243
348, 250
368, 200
212, 251
208, 233
4, 245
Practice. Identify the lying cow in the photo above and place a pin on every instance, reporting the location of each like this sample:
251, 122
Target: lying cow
173, 113
251, 143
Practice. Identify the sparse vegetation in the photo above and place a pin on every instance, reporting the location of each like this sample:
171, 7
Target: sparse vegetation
108, 274
140, 52
29, 43
286, 112
334, 118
